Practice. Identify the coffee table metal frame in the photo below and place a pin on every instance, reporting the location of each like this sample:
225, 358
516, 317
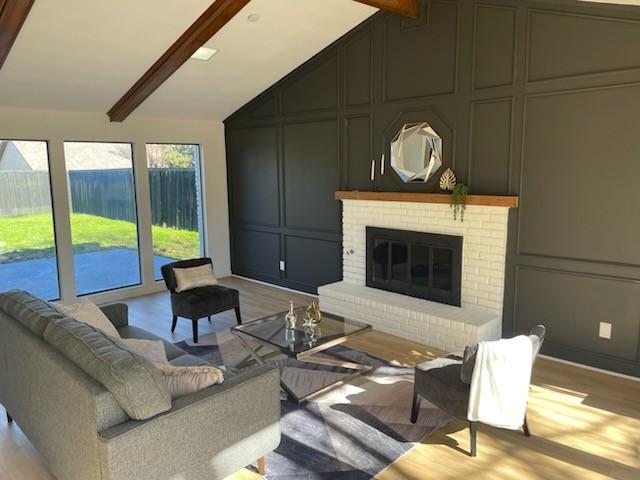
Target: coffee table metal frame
307, 356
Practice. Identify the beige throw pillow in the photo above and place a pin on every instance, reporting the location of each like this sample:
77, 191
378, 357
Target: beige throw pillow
180, 381
183, 381
194, 277
88, 312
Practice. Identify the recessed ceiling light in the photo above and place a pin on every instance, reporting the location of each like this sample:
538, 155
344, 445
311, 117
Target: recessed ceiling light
204, 53
253, 17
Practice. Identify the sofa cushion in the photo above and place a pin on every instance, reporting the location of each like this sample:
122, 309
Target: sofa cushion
30, 311
134, 332
135, 383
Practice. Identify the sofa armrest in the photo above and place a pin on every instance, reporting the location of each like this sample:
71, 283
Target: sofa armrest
208, 434
117, 313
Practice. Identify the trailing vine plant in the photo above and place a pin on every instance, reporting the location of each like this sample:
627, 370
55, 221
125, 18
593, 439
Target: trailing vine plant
459, 200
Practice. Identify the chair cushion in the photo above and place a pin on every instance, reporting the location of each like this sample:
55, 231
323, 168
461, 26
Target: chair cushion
443, 387
135, 383
30, 311
202, 302
134, 332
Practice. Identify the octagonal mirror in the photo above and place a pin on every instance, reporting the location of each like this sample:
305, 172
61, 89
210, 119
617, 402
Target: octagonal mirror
416, 152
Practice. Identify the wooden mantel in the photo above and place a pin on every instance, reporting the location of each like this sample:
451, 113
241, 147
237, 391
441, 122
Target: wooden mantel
483, 200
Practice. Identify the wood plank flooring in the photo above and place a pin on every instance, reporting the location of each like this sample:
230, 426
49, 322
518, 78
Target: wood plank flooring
585, 425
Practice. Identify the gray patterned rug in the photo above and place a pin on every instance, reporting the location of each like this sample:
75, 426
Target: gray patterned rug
353, 431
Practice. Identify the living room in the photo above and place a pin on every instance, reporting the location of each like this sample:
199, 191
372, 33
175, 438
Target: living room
348, 239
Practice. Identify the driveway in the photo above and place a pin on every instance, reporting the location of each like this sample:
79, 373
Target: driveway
95, 271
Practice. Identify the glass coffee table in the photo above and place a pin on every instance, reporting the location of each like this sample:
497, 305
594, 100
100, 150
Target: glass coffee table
303, 346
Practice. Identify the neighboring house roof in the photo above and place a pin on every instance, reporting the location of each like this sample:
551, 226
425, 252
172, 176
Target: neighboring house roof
15, 156
32, 155
97, 156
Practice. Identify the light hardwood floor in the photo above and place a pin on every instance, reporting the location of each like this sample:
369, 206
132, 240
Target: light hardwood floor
585, 425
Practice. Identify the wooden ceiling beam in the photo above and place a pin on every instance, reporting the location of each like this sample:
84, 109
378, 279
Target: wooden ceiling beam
205, 27
13, 14
406, 8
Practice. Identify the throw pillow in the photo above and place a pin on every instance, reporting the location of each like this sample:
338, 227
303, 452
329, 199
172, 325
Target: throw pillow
183, 381
194, 277
88, 312
152, 350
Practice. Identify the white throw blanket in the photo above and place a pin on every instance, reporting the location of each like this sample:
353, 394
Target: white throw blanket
500, 382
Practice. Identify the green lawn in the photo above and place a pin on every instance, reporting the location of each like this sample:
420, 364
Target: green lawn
31, 236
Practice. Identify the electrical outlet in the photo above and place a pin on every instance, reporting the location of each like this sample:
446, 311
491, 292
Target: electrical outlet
605, 330
282, 265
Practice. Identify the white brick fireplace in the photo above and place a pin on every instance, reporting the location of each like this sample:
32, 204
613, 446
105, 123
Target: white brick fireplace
447, 327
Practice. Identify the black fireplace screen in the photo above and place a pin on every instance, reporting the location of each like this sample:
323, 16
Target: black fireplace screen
423, 265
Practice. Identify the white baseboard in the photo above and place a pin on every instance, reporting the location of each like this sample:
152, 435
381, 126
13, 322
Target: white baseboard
594, 369
274, 286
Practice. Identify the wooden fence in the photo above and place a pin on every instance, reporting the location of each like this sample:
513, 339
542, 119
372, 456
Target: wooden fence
106, 193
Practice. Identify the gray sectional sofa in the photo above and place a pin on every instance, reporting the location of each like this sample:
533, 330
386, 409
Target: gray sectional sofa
83, 432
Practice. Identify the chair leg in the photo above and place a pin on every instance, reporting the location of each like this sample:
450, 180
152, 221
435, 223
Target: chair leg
174, 323
9, 418
262, 468
238, 316
415, 407
472, 433
525, 427
209, 318
195, 331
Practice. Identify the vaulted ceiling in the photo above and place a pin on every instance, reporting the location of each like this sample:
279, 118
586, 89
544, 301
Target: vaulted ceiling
84, 55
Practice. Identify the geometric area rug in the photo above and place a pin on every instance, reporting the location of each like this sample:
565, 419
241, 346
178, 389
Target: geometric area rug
351, 432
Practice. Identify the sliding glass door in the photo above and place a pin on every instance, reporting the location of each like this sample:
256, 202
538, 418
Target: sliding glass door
27, 239
176, 207
104, 225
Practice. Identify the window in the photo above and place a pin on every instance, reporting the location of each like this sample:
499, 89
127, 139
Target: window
104, 226
176, 207
27, 239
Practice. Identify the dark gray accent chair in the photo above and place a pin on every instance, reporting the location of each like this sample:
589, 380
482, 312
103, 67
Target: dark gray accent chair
448, 387
201, 302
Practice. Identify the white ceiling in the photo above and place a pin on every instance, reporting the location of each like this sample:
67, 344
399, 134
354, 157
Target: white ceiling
84, 55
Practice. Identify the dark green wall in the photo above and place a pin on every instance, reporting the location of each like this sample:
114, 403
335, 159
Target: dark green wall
540, 99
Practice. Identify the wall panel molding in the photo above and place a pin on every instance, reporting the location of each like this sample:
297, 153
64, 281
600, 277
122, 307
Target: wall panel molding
419, 50
499, 55
578, 321
358, 61
601, 180
486, 160
607, 63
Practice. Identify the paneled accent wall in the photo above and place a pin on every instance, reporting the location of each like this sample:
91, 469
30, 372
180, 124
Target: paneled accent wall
535, 98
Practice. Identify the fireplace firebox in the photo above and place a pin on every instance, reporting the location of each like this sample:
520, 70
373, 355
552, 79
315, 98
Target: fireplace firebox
423, 265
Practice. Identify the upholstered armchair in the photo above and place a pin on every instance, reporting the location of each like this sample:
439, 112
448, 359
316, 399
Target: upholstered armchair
446, 385
199, 302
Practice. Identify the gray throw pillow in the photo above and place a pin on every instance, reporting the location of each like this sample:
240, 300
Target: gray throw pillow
135, 383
